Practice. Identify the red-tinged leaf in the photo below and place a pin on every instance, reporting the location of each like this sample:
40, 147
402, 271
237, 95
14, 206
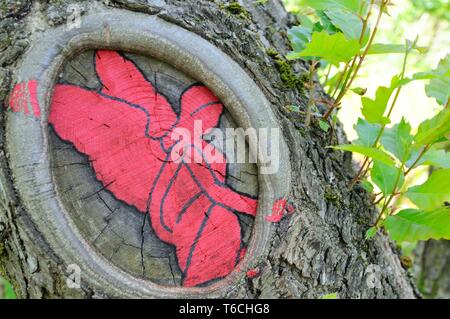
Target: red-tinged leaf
189, 203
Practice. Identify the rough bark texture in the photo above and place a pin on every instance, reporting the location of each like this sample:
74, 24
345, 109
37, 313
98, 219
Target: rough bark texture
431, 268
318, 250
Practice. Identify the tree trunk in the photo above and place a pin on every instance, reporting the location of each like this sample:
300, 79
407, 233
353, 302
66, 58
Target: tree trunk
431, 268
318, 249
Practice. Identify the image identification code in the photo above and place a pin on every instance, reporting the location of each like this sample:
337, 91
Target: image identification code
227, 308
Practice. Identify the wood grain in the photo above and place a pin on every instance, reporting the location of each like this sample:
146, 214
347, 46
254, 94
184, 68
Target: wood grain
117, 230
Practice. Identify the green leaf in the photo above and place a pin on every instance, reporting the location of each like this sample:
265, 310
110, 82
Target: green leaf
408, 248
413, 224
367, 185
398, 140
371, 232
299, 36
324, 125
433, 193
325, 23
439, 87
350, 5
359, 91
418, 76
8, 290
373, 110
381, 48
333, 48
367, 133
349, 23
433, 157
385, 177
432, 130
371, 152
437, 158
424, 76
330, 296
333, 81
305, 21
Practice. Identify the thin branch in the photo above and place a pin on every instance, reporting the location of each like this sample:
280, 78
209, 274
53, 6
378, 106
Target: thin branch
369, 44
312, 67
422, 153
350, 75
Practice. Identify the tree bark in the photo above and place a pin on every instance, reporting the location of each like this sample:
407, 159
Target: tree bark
431, 268
319, 249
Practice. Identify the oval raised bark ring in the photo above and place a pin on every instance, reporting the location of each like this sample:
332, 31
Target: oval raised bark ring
28, 141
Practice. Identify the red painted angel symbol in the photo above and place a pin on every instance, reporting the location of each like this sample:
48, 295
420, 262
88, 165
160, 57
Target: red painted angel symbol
125, 130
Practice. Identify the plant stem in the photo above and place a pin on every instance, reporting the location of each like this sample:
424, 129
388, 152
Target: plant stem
349, 78
394, 193
422, 153
367, 168
382, 211
339, 82
312, 67
363, 56
327, 75
378, 200
359, 175
385, 206
369, 44
344, 86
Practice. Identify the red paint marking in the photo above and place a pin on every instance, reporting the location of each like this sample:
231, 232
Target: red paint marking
32, 90
17, 102
243, 252
253, 273
122, 130
277, 211
23, 95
